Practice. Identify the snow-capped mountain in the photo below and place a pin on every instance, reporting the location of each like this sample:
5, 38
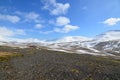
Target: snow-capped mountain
104, 44
107, 43
112, 47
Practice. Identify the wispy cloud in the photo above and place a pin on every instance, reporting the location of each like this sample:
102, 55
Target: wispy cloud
32, 16
111, 21
10, 18
6, 32
66, 29
56, 8
19, 32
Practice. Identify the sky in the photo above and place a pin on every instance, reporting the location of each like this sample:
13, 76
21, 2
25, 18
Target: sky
52, 19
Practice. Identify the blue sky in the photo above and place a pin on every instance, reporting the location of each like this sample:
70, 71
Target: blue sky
51, 19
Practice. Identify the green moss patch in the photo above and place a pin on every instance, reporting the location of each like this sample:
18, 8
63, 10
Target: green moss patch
5, 56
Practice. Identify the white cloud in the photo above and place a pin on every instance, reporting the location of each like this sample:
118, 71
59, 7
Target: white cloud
61, 21
38, 26
6, 33
112, 21
27, 40
56, 8
32, 16
66, 29
10, 18
60, 9
64, 22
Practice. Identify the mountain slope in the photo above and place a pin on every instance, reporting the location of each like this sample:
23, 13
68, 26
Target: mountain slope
106, 44
41, 64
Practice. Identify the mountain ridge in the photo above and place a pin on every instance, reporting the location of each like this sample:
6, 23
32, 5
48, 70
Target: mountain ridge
107, 43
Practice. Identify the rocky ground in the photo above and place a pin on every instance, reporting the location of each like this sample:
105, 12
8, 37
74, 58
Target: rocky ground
41, 64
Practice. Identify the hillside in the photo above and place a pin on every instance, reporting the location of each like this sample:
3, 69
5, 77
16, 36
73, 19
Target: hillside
42, 64
105, 44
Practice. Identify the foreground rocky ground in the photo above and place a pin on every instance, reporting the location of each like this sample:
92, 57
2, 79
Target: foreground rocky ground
41, 64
